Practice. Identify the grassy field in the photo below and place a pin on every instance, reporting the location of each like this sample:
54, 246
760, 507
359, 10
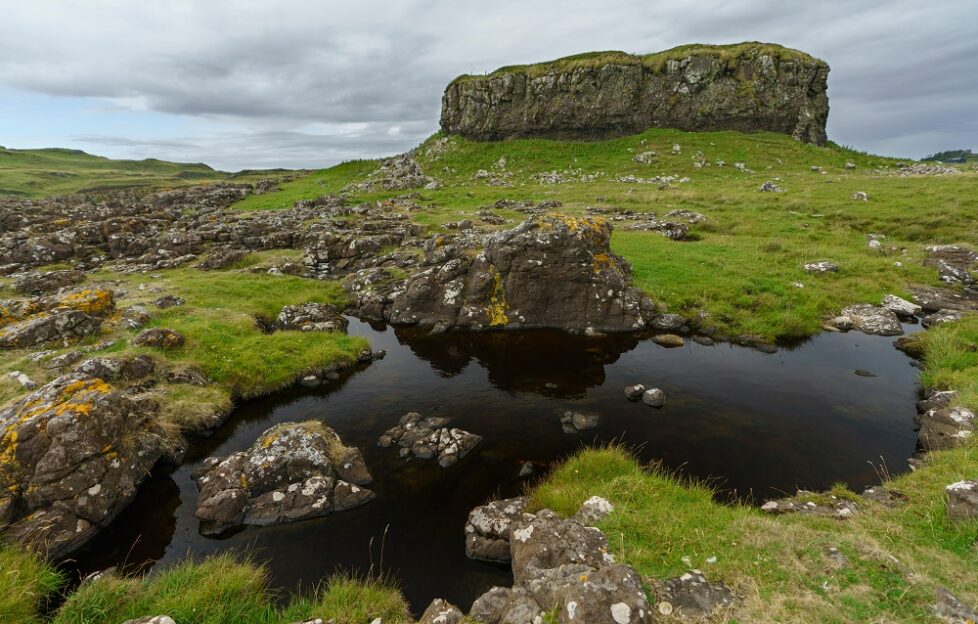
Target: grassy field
54, 171
743, 267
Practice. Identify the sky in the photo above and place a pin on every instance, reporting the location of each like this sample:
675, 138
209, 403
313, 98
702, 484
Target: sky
309, 83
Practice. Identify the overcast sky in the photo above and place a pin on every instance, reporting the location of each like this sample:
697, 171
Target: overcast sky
308, 83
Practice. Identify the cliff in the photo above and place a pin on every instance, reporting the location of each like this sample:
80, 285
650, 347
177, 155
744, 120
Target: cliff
747, 87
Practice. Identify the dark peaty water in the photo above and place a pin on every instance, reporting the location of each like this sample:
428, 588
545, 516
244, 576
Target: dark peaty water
755, 424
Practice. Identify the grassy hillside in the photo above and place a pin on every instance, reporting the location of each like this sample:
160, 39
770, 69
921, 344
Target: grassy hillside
42, 172
744, 265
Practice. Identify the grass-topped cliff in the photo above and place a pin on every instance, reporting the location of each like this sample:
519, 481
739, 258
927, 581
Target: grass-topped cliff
655, 61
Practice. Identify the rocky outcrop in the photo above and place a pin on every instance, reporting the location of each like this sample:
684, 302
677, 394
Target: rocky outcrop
746, 87
429, 438
292, 472
311, 317
71, 456
962, 501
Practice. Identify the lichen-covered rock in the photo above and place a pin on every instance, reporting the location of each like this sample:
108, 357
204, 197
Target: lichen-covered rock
429, 438
311, 317
962, 500
441, 612
692, 596
871, 319
288, 474
396, 174
749, 87
160, 338
487, 529
552, 271
60, 326
71, 456
116, 369
947, 427
36, 282
594, 509
807, 503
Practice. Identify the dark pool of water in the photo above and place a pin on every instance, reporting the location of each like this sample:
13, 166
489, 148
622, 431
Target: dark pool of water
755, 424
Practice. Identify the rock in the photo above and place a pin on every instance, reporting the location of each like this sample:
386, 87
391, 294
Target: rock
836, 558
771, 187
944, 428
288, 474
573, 422
351, 467
35, 283
487, 531
860, 196
428, 438
692, 596
654, 397
954, 263
628, 94
118, 369
169, 301
883, 495
669, 341
159, 338
135, 317
949, 609
593, 509
840, 323
849, 166
962, 501
667, 322
873, 320
526, 470
311, 317
502, 605
62, 361
64, 326
441, 612
942, 316
936, 399
552, 271
22, 379
221, 258
395, 174
805, 503
154, 619
72, 454
646, 158
634, 392
901, 307
823, 266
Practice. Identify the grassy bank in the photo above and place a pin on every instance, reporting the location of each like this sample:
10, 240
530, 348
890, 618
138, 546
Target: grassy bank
758, 242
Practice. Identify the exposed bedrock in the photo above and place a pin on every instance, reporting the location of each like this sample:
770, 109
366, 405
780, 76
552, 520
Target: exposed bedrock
748, 87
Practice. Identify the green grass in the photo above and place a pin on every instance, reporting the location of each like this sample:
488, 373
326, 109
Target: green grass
655, 61
25, 581
951, 360
43, 172
758, 242
225, 590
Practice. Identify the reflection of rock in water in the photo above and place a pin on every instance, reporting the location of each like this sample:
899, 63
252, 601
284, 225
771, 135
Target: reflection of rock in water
140, 534
548, 362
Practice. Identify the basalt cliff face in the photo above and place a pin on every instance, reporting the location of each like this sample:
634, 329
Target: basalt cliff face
747, 87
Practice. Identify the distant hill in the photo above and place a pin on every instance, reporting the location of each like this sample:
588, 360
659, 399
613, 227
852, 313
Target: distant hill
55, 171
953, 156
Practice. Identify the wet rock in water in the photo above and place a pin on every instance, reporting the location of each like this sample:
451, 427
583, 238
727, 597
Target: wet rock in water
72, 454
487, 531
875, 320
428, 438
823, 266
808, 503
554, 271
160, 338
635, 392
288, 474
692, 596
64, 326
936, 399
441, 612
669, 341
594, 509
526, 470
654, 397
667, 322
949, 609
942, 316
904, 309
35, 283
962, 501
350, 466
311, 317
840, 323
944, 428
169, 301
572, 422
116, 369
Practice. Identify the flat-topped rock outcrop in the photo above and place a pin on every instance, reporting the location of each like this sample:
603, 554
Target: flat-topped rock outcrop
748, 87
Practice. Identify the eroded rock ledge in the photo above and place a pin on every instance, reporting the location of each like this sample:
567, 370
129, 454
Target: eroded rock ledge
747, 87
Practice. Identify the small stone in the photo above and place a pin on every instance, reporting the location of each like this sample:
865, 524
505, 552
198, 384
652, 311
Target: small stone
654, 397
670, 341
634, 392
860, 196
594, 509
823, 266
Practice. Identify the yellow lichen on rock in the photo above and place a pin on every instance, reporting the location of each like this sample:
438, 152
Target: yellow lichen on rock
90, 301
496, 311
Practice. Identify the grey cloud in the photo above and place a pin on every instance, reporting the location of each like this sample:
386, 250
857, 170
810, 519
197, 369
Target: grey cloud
256, 75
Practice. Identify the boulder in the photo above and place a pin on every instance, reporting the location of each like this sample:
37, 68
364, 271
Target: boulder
572, 422
634, 392
670, 341
504, 605
61, 326
667, 322
35, 283
72, 454
823, 266
947, 427
160, 338
288, 474
936, 399
429, 438
311, 317
875, 320
654, 397
962, 501
118, 369
594, 509
904, 309
441, 612
692, 596
747, 87
487, 530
